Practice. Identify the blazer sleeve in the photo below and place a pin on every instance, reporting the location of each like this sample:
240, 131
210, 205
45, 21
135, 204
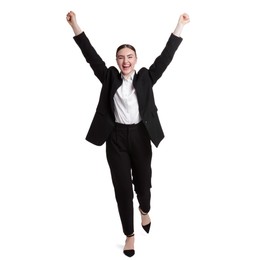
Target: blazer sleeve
92, 57
164, 59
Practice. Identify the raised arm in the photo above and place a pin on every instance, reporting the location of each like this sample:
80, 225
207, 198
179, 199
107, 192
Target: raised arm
92, 57
71, 18
183, 20
162, 61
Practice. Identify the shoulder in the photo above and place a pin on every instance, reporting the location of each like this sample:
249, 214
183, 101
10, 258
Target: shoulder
143, 77
113, 70
143, 71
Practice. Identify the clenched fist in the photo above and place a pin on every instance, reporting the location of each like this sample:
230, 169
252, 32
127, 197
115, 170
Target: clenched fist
184, 18
71, 19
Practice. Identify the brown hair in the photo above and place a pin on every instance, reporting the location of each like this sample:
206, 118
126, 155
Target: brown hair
126, 46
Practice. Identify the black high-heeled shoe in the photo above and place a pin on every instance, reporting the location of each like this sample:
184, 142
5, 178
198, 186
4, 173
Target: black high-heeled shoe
129, 252
147, 226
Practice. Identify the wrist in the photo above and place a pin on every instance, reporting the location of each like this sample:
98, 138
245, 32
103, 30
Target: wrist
178, 29
76, 29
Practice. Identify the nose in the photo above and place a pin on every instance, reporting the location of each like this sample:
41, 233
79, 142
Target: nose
125, 60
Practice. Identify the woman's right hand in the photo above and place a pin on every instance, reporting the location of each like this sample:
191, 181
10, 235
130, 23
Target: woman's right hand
184, 18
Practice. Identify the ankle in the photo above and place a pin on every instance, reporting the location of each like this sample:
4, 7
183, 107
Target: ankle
142, 212
129, 242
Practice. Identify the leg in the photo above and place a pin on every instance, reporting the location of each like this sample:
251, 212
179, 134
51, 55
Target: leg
120, 167
141, 157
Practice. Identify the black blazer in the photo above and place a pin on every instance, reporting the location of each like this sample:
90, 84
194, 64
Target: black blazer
110, 78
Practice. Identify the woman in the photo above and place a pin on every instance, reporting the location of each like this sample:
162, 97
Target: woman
126, 120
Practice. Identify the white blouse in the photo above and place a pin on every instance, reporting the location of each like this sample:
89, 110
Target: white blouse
126, 104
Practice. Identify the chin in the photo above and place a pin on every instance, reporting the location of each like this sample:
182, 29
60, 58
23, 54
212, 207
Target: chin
126, 72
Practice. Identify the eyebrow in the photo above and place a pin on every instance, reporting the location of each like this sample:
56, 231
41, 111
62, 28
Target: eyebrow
119, 56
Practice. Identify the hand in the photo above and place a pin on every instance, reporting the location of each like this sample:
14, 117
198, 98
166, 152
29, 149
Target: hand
184, 19
71, 18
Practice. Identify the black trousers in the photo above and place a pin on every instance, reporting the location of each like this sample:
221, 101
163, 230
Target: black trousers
129, 156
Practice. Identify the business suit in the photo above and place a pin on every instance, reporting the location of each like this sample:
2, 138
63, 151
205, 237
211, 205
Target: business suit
128, 147
104, 121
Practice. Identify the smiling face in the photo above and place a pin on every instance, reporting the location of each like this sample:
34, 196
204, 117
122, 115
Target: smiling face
126, 60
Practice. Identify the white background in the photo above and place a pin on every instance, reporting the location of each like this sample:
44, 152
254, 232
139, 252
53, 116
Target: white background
56, 196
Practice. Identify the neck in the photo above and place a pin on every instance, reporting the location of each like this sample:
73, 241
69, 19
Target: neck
127, 76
